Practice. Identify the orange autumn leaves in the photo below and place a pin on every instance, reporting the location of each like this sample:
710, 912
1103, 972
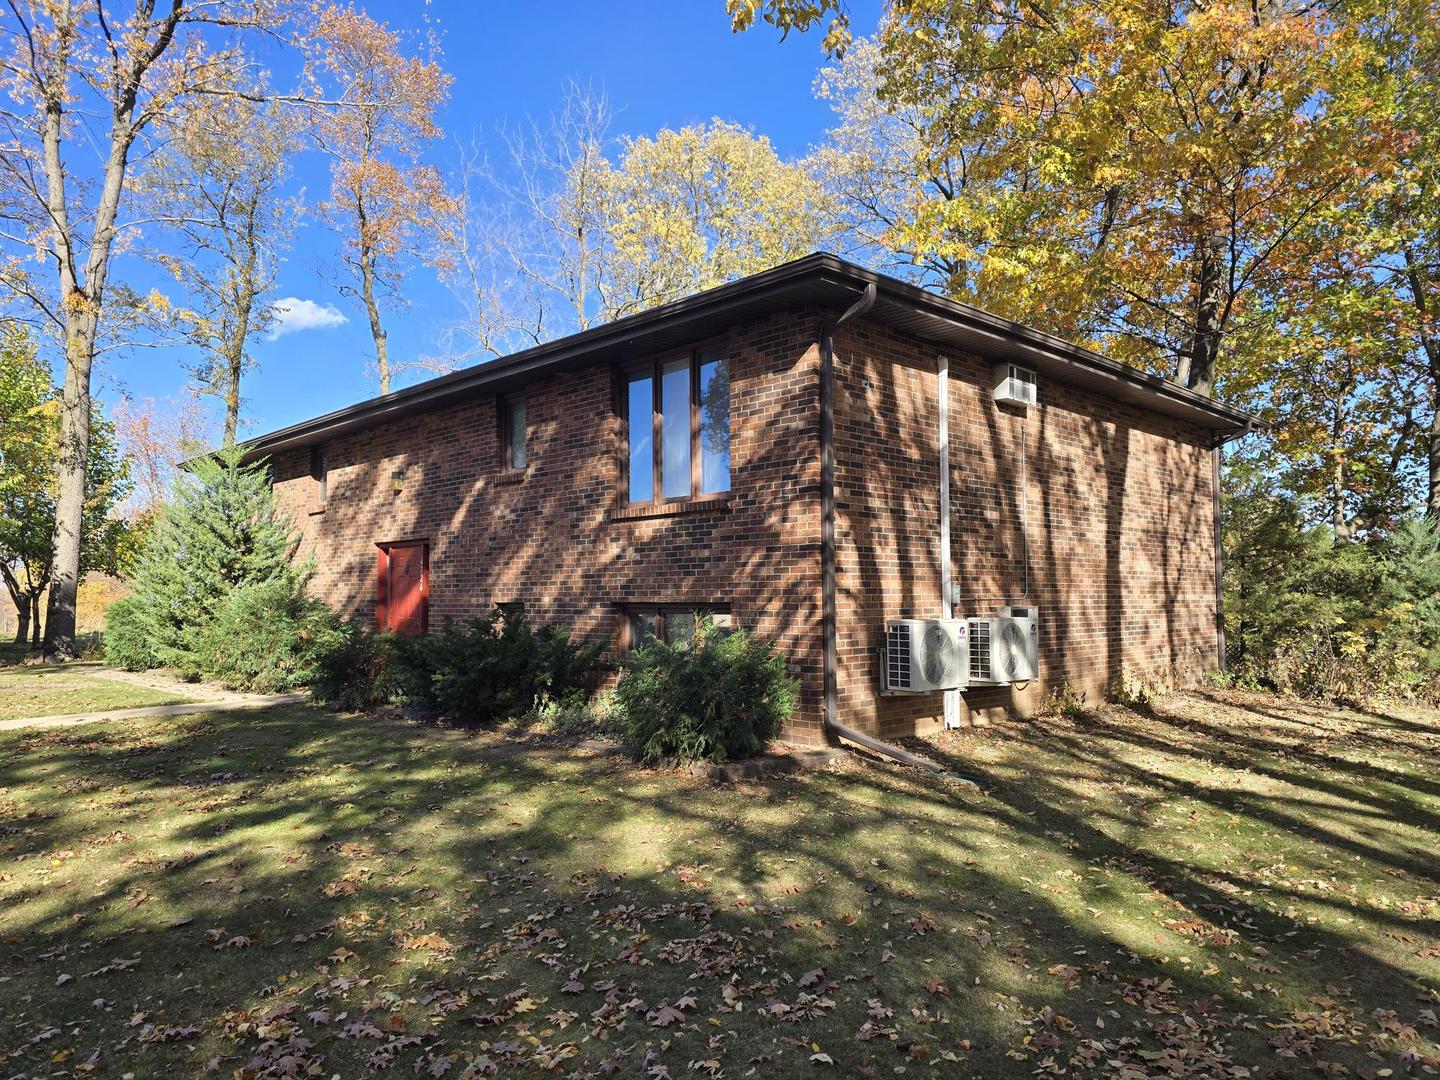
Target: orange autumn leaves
376, 121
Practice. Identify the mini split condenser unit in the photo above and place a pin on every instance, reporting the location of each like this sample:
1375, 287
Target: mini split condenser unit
922, 655
1004, 649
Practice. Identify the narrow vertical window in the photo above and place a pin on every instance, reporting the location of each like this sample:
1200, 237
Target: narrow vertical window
515, 443
640, 404
675, 427
714, 423
320, 474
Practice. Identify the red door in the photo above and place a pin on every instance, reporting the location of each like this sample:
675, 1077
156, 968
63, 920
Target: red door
403, 600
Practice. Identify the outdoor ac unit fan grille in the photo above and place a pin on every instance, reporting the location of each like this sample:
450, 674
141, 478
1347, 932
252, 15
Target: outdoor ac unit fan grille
980, 650
939, 662
1012, 640
897, 657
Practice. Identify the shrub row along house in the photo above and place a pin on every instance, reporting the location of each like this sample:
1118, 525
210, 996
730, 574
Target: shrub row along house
934, 512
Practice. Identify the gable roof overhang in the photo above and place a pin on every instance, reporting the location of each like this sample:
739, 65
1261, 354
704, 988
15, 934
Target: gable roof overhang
820, 280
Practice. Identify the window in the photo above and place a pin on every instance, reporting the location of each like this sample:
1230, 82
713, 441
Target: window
678, 428
320, 475
674, 623
513, 448
714, 423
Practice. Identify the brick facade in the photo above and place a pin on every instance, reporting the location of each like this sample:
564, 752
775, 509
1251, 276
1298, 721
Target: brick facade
1120, 530
557, 538
1119, 502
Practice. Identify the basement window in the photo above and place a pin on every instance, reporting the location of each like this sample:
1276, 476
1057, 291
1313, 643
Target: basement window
671, 623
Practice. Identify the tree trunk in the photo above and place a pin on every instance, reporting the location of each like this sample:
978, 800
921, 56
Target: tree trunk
1197, 365
234, 369
22, 619
1432, 448
21, 602
232, 404
1430, 344
81, 296
372, 309
235, 348
82, 289
1339, 519
70, 506
1432, 437
35, 621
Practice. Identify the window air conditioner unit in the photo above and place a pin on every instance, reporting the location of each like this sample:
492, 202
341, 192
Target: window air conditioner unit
1005, 649
923, 655
1014, 385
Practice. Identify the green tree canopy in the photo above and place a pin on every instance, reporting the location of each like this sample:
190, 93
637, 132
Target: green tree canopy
29, 440
221, 533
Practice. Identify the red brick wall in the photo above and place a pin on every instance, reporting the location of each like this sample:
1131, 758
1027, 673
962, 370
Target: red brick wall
550, 538
1121, 556
1120, 527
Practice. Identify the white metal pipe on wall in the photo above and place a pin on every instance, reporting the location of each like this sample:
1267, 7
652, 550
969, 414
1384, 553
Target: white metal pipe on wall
947, 592
1022, 496
947, 588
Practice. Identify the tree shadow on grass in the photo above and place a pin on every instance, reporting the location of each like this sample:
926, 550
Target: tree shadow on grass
464, 904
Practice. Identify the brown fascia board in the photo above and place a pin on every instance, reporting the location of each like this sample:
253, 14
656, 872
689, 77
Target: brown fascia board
994, 337
630, 335
821, 280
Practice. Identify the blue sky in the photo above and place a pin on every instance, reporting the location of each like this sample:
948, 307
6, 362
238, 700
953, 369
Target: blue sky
662, 63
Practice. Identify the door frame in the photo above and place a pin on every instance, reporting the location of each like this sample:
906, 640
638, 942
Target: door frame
382, 583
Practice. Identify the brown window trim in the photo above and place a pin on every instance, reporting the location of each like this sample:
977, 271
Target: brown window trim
628, 611
654, 367
719, 501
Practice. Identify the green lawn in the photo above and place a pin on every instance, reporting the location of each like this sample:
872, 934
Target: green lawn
57, 690
1237, 887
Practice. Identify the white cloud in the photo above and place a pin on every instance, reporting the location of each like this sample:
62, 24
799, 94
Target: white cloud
293, 315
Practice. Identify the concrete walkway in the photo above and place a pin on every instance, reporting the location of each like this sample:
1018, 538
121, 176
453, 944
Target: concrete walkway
203, 699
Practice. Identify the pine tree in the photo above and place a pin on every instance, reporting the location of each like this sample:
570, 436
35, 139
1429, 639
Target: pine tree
221, 534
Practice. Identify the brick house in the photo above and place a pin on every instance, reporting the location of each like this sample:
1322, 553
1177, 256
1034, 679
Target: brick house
770, 452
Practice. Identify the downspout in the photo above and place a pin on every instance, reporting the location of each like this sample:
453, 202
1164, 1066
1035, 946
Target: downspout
829, 645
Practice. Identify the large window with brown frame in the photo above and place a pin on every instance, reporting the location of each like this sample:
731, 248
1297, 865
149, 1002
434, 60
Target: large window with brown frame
672, 623
677, 424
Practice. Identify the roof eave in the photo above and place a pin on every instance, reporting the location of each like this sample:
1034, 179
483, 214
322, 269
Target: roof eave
805, 281
521, 366
1005, 335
